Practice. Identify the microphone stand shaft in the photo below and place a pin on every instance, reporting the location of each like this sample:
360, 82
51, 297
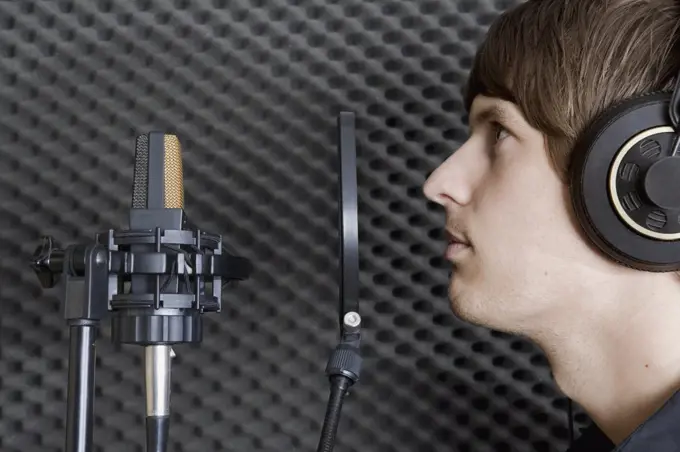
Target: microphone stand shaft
157, 382
80, 410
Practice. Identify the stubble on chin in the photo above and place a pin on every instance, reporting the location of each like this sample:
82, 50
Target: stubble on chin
462, 305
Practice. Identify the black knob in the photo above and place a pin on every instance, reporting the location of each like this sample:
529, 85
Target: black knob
662, 184
48, 262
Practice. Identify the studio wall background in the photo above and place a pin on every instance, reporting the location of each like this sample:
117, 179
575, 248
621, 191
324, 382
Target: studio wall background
253, 89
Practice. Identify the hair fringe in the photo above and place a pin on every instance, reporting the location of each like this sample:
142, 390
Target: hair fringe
563, 62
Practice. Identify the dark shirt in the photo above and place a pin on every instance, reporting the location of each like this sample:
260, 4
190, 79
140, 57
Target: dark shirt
659, 433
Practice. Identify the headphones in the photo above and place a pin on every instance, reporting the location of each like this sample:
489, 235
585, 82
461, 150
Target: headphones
624, 181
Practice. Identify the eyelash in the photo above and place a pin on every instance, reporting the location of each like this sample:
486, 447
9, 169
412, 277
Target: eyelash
498, 127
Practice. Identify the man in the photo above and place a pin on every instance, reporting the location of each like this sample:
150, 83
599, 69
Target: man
521, 263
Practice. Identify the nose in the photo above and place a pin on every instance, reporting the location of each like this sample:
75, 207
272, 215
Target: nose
452, 181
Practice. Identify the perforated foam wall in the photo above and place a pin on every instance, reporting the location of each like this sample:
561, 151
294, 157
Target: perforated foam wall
253, 89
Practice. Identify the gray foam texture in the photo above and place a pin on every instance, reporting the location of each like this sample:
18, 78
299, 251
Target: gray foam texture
253, 89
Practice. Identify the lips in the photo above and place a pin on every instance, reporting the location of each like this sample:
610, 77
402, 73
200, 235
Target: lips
457, 238
457, 245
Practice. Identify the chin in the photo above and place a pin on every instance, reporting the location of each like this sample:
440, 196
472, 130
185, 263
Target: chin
483, 311
468, 308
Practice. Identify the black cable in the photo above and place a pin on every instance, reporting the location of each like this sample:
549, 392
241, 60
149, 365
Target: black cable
339, 387
674, 106
570, 411
674, 113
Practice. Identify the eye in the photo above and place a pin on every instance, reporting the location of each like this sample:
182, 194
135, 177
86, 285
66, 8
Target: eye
500, 132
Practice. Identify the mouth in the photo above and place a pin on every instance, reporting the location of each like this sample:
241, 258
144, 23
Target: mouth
457, 244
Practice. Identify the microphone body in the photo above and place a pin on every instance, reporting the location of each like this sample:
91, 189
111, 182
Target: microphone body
148, 317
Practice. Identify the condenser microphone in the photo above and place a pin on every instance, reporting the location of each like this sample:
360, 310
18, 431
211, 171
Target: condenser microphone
157, 204
152, 313
155, 280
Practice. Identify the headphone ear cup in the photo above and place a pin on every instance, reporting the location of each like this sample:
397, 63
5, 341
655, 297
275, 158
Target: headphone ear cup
609, 182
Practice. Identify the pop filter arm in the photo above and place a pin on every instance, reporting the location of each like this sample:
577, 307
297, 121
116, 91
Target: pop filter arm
344, 365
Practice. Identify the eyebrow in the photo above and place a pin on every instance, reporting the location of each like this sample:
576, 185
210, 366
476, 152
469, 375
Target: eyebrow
492, 112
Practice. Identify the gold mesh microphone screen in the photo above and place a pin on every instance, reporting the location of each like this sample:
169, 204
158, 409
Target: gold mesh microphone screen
173, 174
158, 174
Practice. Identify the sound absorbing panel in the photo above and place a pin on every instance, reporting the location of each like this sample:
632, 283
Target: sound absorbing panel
252, 89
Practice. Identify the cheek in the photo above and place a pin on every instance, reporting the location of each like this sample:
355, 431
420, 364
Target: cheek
522, 223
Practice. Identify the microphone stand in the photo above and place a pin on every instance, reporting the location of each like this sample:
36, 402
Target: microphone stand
85, 305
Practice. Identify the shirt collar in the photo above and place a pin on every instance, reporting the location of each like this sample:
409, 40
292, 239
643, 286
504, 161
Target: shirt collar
659, 433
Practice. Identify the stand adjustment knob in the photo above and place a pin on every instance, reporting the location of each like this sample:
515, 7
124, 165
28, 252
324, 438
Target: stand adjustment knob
48, 262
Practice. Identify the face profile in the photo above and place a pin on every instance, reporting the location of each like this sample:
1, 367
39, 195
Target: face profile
523, 259
519, 259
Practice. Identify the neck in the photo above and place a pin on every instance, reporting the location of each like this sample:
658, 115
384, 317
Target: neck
618, 354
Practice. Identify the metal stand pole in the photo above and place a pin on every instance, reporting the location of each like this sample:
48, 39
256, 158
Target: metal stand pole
80, 409
85, 273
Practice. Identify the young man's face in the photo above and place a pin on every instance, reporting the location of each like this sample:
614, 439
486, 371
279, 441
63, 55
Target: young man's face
527, 262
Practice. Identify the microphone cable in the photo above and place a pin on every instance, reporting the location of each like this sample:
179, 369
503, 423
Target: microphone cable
570, 413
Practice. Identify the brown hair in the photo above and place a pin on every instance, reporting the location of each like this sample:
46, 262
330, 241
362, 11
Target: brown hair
564, 61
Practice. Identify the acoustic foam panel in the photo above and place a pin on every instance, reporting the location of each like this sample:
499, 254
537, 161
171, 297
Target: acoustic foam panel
253, 89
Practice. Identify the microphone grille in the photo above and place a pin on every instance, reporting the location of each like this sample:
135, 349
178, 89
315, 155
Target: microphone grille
141, 173
173, 173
